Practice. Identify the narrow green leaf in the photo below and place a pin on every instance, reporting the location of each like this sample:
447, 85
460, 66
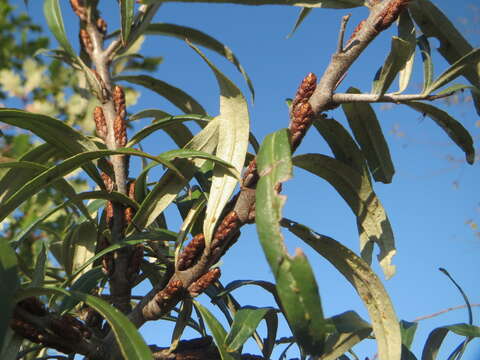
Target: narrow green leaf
127, 9
217, 330
170, 184
181, 323
141, 20
342, 144
366, 283
131, 240
85, 283
465, 297
350, 330
12, 345
55, 132
54, 173
199, 38
40, 268
452, 127
61, 185
16, 177
296, 283
233, 134
406, 32
244, 325
458, 68
128, 338
408, 330
397, 59
80, 247
167, 123
424, 47
113, 196
53, 15
369, 135
454, 88
9, 283
355, 188
304, 12
453, 45
333, 4
176, 96
268, 286
433, 343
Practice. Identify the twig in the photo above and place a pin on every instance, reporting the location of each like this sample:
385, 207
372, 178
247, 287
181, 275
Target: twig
341, 34
342, 98
441, 312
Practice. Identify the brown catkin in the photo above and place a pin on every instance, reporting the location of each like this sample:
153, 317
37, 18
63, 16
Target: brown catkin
191, 252
120, 126
101, 26
78, 7
390, 14
86, 41
100, 122
204, 282
301, 110
130, 211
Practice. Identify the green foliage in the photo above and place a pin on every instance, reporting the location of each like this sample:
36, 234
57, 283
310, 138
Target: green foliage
72, 214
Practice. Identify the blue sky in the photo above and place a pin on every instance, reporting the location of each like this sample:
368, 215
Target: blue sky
433, 192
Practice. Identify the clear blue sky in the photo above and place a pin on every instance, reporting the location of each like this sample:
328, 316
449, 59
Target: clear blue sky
433, 192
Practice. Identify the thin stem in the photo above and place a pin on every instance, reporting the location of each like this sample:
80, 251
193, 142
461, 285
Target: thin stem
441, 312
341, 35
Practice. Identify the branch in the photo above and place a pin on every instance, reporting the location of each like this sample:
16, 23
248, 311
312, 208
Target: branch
112, 116
392, 97
382, 15
308, 102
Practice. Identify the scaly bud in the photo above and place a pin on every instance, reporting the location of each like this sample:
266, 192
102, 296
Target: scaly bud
204, 282
102, 26
191, 252
100, 123
301, 111
120, 127
86, 41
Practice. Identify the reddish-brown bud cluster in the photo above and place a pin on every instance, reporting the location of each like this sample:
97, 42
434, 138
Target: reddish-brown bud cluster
301, 111
168, 296
191, 252
120, 127
79, 8
70, 328
100, 123
355, 31
250, 177
390, 14
130, 211
305, 90
33, 306
108, 265
101, 26
91, 317
228, 228
86, 41
25, 330
204, 282
60, 332
108, 181
136, 257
